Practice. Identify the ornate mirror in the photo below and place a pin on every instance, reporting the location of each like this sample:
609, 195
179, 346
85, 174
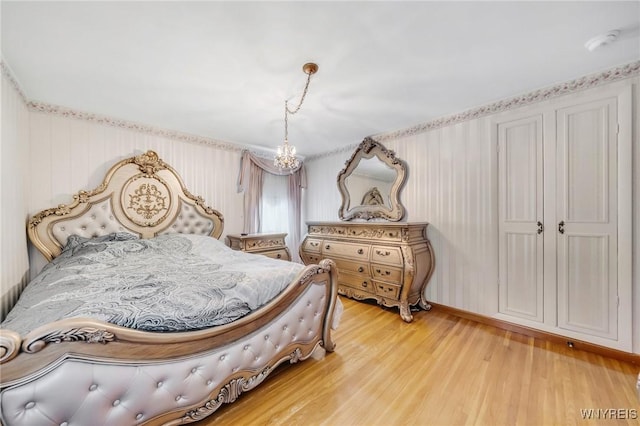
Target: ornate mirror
370, 184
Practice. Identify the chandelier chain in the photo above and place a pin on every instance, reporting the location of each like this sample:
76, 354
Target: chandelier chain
304, 93
287, 111
286, 156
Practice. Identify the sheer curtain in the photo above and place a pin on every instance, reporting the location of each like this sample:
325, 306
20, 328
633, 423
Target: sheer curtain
275, 206
253, 173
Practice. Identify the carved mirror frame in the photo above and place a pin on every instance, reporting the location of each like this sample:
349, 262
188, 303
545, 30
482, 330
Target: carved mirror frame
370, 148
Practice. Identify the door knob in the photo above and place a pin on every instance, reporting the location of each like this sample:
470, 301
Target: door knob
561, 227
540, 227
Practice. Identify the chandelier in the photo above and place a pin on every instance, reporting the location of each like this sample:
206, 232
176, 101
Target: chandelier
286, 156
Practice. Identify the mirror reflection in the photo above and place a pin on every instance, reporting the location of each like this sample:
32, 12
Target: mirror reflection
370, 184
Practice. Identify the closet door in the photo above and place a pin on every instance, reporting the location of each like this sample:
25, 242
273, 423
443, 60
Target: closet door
520, 227
586, 211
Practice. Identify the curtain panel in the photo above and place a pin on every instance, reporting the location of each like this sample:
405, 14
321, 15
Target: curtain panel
250, 181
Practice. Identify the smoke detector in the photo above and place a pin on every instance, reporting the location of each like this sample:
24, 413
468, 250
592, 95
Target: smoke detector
602, 40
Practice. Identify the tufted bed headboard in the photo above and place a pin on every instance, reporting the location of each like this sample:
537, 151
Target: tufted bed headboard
142, 195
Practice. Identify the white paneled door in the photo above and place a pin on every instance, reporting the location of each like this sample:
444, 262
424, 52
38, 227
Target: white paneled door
520, 226
564, 189
586, 205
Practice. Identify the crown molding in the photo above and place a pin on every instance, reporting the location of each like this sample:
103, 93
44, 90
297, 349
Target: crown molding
131, 125
583, 83
6, 71
344, 149
61, 111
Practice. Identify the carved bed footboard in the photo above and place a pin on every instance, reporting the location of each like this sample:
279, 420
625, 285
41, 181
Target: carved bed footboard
132, 377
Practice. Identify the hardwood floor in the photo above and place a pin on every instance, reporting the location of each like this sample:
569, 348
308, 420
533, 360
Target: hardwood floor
438, 370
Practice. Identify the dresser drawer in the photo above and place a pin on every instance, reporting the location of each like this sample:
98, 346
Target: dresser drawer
386, 273
361, 268
312, 245
309, 258
390, 291
348, 250
355, 281
388, 255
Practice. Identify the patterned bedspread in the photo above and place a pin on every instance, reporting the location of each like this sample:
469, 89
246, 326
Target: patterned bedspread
174, 282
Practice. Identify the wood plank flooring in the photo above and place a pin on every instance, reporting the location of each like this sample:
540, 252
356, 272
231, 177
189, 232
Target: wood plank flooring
438, 370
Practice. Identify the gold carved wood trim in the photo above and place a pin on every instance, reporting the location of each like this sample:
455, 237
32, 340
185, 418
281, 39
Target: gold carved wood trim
146, 200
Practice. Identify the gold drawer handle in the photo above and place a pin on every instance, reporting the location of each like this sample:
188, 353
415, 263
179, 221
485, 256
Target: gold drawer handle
381, 273
360, 251
314, 244
382, 253
279, 256
364, 283
361, 269
327, 247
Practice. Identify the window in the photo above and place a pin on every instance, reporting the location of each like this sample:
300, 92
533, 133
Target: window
275, 206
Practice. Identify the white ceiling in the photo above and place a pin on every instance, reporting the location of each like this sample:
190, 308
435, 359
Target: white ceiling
223, 69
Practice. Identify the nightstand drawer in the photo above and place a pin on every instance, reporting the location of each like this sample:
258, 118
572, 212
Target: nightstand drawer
282, 254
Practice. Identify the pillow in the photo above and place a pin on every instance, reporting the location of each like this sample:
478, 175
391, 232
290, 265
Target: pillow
76, 242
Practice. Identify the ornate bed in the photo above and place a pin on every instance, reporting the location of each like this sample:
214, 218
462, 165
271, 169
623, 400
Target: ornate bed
82, 370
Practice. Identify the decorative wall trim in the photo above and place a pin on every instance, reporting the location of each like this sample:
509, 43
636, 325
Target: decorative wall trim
5, 70
583, 83
46, 108
345, 149
130, 125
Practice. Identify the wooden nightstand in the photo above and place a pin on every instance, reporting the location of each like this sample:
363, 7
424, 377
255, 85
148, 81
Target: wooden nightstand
270, 245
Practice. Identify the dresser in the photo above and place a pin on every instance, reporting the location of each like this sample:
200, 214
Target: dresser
390, 262
270, 245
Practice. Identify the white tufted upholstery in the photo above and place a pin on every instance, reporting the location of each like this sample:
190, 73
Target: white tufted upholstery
189, 221
97, 221
81, 392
